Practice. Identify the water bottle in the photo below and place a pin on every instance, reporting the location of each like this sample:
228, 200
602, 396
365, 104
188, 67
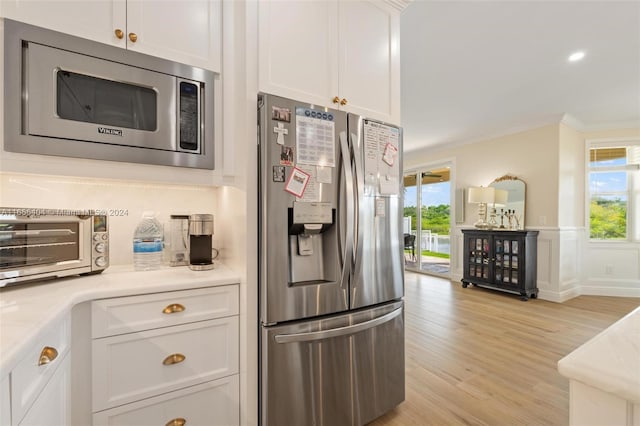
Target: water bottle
147, 243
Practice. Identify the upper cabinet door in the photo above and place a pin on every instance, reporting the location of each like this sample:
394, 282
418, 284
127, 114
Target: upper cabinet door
369, 60
342, 54
187, 31
297, 45
96, 20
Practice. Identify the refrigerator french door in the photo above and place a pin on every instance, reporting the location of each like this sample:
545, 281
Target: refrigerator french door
330, 265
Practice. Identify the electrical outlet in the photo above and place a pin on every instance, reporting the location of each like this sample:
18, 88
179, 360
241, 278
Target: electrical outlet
543, 220
608, 269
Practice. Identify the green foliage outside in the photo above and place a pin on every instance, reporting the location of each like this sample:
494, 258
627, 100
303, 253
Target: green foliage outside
434, 218
435, 254
608, 219
431, 254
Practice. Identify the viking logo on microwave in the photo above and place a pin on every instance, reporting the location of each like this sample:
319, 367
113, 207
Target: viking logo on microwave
108, 131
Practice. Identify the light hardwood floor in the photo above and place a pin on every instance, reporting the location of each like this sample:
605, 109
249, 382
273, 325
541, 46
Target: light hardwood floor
481, 357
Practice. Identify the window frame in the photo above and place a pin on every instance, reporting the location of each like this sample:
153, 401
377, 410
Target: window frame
632, 192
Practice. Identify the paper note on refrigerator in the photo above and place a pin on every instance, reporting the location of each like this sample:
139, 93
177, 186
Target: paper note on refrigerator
381, 156
315, 138
312, 191
297, 182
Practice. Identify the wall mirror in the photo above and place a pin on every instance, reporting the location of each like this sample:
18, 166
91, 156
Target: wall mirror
516, 190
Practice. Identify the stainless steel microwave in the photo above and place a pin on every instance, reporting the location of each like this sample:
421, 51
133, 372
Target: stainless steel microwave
38, 244
74, 97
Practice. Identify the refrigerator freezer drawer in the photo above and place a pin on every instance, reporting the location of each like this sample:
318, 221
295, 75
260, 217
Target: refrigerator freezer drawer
340, 370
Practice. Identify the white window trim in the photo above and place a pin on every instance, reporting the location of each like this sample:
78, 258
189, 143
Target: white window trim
633, 202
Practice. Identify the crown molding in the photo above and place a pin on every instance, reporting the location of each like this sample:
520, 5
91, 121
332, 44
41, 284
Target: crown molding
399, 5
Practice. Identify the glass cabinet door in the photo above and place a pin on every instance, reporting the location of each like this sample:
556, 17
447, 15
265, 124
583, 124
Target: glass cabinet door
479, 257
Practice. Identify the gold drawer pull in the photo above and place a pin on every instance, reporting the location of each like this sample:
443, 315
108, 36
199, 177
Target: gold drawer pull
336, 100
177, 422
47, 355
174, 359
173, 308
119, 33
133, 37
343, 102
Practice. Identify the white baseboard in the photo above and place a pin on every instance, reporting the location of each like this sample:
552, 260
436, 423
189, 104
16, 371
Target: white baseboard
608, 290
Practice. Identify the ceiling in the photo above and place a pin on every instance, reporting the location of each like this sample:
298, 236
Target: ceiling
473, 70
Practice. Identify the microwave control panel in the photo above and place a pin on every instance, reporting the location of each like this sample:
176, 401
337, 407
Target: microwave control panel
189, 116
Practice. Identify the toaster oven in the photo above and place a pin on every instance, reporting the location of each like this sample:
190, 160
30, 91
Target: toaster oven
38, 244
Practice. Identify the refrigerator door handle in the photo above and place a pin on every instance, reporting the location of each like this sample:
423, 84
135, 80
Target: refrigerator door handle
359, 194
346, 244
336, 332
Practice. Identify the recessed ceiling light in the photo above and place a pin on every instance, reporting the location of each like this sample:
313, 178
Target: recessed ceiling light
576, 56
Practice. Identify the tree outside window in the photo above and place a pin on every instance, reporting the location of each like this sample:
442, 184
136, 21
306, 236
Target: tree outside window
613, 192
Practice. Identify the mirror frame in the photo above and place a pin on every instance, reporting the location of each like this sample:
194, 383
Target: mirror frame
512, 184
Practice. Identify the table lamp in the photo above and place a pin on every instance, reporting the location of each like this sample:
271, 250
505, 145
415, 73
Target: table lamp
482, 196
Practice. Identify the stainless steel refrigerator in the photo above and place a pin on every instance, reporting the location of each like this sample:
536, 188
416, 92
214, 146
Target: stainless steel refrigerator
330, 265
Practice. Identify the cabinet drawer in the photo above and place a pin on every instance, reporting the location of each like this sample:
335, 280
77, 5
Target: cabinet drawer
209, 404
133, 366
135, 313
28, 378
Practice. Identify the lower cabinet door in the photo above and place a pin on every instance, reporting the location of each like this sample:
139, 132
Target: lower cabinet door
214, 403
53, 405
5, 402
134, 366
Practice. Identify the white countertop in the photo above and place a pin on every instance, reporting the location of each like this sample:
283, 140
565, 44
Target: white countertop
610, 361
25, 310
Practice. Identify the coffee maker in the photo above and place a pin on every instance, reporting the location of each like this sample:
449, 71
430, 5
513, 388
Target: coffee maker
200, 247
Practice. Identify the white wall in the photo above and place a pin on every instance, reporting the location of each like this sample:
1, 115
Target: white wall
525, 155
126, 200
530, 155
610, 269
551, 160
571, 177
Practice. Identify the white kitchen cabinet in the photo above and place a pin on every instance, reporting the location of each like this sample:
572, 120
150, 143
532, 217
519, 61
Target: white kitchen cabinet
5, 401
213, 403
136, 313
134, 366
92, 19
35, 371
187, 31
53, 405
342, 54
590, 406
166, 356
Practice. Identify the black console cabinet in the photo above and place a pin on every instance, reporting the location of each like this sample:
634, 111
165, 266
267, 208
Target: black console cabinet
501, 260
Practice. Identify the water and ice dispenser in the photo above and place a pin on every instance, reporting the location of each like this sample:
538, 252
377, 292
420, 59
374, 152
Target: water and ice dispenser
312, 241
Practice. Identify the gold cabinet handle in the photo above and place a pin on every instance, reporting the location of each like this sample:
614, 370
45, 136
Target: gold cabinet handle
119, 33
173, 308
47, 355
177, 422
133, 37
336, 100
343, 102
174, 359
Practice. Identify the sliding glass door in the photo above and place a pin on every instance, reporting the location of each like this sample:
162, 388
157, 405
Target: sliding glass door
427, 207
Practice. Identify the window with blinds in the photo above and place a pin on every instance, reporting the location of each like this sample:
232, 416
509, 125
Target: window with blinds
614, 192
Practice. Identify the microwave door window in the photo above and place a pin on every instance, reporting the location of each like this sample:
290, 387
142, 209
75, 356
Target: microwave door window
111, 103
34, 244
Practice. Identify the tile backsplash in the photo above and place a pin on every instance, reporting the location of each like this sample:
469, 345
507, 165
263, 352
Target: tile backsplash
125, 200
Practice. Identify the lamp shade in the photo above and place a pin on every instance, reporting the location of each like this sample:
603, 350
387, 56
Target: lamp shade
481, 194
500, 198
